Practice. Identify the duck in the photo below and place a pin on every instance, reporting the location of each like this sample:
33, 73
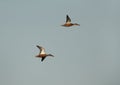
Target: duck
42, 53
68, 22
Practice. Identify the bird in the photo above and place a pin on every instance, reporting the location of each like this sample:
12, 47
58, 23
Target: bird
68, 22
42, 53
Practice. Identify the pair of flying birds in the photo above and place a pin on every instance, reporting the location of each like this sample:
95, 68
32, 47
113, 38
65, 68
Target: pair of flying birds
42, 53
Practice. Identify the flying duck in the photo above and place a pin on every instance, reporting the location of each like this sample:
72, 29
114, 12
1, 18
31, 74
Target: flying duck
42, 53
68, 22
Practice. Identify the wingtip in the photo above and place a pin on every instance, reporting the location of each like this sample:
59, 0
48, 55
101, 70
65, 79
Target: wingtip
37, 45
67, 15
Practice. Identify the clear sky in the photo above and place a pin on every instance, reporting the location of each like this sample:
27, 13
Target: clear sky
84, 55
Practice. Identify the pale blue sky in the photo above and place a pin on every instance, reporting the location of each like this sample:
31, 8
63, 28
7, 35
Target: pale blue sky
84, 55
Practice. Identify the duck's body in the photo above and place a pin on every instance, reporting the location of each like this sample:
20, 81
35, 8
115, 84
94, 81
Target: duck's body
42, 53
68, 22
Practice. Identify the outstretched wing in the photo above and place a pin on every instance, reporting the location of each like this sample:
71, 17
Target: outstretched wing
43, 58
42, 50
68, 20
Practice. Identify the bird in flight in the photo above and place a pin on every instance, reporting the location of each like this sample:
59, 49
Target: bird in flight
42, 53
68, 22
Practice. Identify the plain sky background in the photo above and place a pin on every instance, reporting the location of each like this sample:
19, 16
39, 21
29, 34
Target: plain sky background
84, 55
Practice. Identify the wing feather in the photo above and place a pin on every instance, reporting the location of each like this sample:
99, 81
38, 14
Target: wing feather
43, 58
68, 19
42, 50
